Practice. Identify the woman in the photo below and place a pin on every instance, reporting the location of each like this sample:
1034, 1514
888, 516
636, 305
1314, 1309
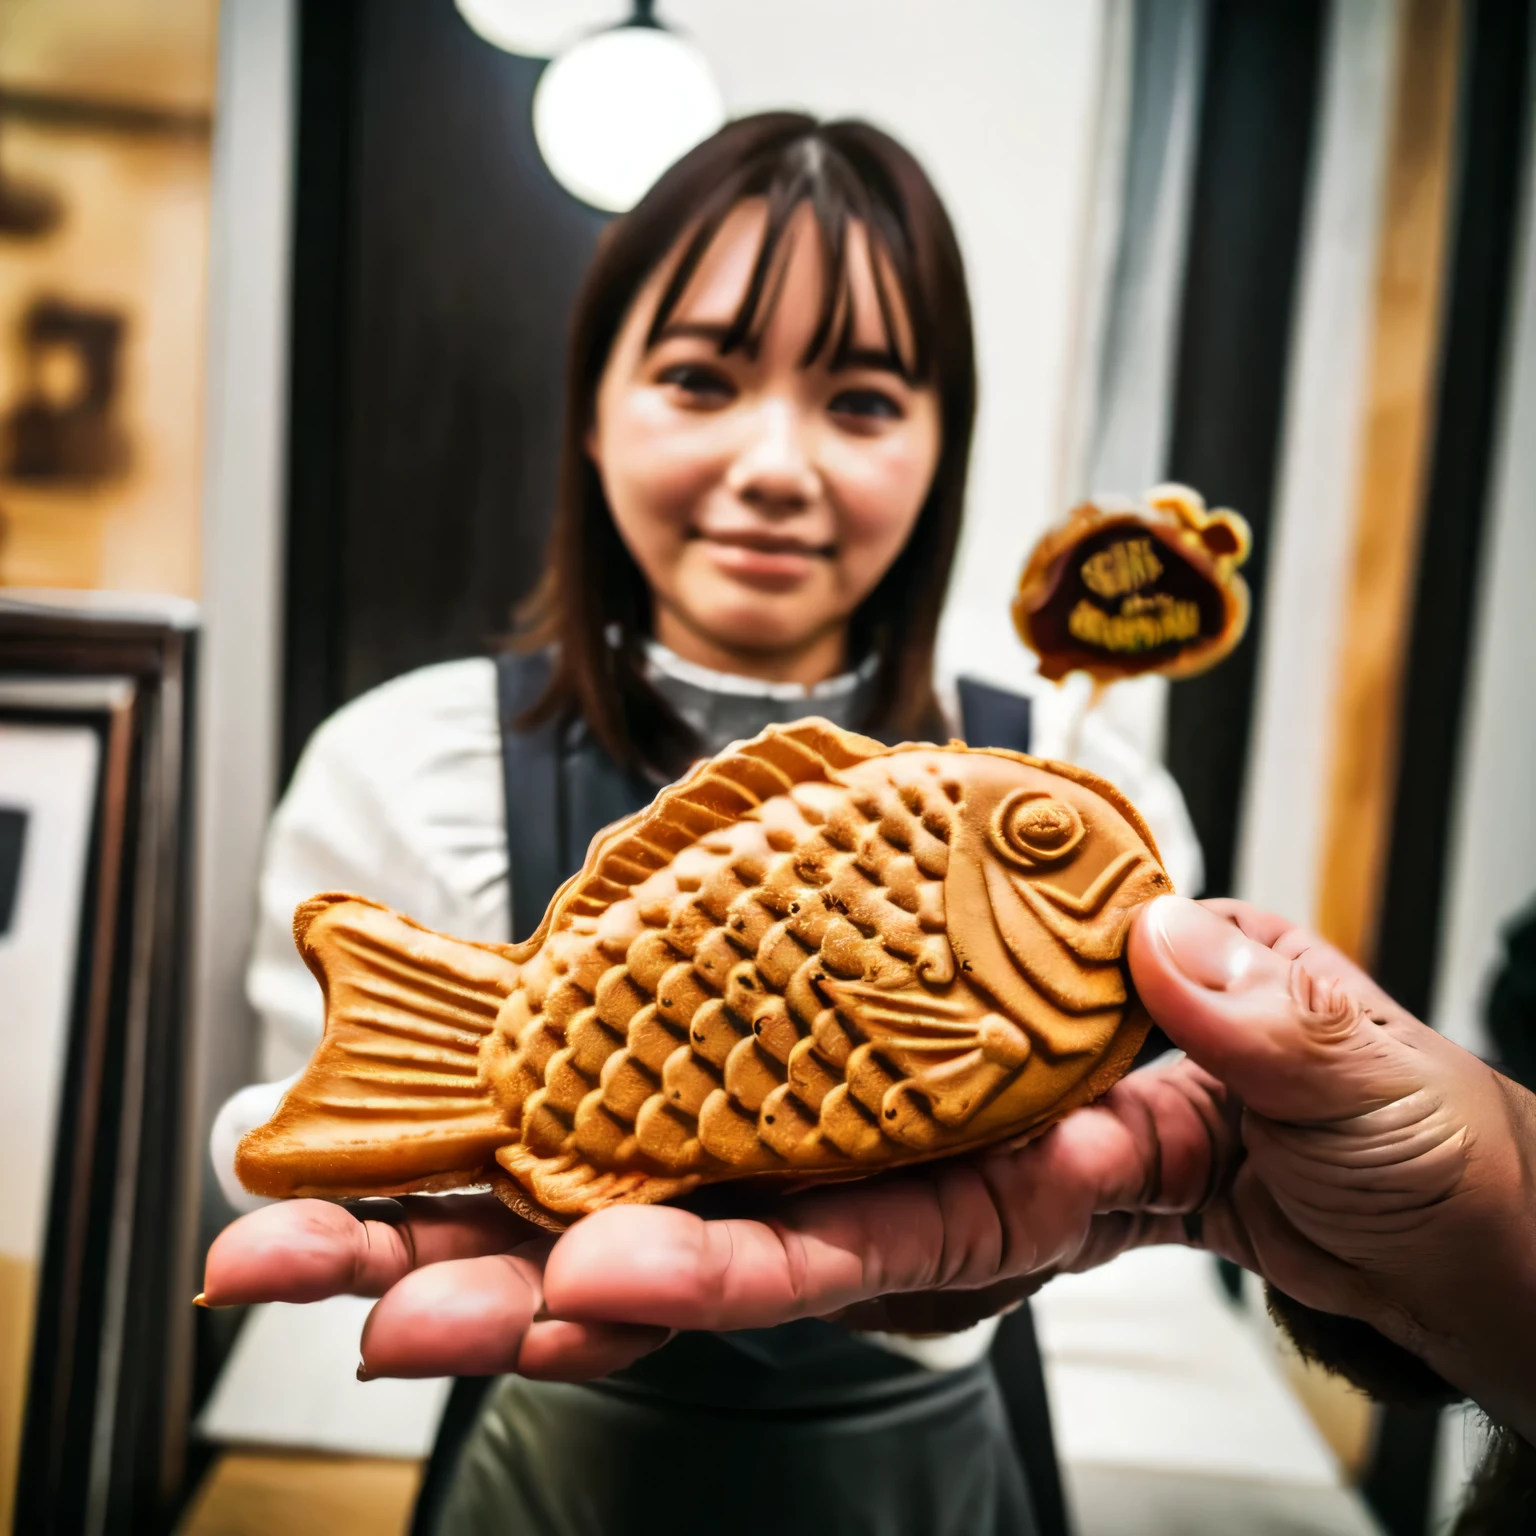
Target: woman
771, 393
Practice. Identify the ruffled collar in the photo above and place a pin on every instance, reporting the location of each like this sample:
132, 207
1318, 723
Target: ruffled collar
722, 707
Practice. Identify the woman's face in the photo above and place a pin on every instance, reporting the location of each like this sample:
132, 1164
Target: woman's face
762, 498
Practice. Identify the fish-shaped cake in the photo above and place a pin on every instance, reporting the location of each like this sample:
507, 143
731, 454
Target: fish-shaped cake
1120, 588
814, 956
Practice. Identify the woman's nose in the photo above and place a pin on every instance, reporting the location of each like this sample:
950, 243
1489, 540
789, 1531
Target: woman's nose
774, 472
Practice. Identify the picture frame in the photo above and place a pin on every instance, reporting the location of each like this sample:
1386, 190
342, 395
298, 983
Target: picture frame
104, 1429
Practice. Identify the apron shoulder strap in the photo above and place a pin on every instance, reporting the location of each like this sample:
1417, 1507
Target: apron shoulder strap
561, 789
530, 765
993, 717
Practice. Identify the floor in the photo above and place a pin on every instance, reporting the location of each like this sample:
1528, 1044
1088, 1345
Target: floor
1176, 1411
272, 1494
1132, 1501
263, 1493
18, 1281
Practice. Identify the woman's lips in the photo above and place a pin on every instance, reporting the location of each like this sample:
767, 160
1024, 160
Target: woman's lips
772, 563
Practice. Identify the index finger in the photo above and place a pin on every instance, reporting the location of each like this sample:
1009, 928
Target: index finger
306, 1250
1148, 1146
650, 1263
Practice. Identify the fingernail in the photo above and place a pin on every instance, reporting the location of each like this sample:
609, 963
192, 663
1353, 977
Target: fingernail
1210, 950
363, 1373
200, 1300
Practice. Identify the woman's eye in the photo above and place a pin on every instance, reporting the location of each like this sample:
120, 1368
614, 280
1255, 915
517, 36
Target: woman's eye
866, 404
702, 384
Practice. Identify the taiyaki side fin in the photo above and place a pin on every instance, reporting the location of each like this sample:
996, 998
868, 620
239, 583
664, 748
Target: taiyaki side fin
950, 1064
394, 1099
716, 793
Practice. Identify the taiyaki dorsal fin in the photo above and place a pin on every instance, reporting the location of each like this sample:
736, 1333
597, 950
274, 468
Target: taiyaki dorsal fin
714, 794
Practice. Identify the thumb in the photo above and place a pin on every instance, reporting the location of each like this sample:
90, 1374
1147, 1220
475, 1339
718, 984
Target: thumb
1293, 1043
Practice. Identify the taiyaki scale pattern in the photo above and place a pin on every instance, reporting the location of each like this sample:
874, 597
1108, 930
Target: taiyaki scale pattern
813, 957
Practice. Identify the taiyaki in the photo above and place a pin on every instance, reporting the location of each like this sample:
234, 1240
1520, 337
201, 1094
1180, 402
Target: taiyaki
815, 956
1120, 588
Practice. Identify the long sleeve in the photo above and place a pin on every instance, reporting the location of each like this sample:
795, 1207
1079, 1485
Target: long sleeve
397, 797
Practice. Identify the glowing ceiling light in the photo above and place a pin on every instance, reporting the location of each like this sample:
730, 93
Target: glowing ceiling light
612, 113
538, 28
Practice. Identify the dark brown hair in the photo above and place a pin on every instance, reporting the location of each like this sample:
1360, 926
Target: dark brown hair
593, 605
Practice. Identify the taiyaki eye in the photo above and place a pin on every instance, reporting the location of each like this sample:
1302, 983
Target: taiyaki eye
1031, 829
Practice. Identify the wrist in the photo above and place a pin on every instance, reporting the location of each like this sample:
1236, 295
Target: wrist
1493, 1359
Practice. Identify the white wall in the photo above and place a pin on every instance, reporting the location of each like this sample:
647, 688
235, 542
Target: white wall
243, 498
999, 100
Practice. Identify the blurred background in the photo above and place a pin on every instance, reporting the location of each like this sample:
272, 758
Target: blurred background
283, 295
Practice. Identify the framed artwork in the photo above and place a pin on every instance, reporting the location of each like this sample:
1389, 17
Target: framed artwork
51, 763
96, 1227
106, 114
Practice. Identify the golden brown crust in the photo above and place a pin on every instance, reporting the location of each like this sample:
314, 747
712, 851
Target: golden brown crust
516, 1199
812, 959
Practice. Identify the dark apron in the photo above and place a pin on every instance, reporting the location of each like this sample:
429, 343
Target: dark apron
805, 1427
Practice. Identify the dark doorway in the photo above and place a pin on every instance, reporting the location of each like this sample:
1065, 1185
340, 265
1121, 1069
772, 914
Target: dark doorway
435, 264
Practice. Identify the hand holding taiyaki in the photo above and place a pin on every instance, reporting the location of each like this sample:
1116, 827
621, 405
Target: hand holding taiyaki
814, 957
1251, 1147
1368, 1168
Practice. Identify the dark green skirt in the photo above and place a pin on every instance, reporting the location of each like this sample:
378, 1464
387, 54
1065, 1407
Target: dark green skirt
708, 1437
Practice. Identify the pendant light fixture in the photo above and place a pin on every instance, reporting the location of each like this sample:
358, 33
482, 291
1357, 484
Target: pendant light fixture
538, 29
615, 110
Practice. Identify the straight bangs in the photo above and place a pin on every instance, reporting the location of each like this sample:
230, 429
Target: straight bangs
809, 176
592, 607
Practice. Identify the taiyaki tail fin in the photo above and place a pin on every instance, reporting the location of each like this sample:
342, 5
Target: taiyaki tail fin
395, 1099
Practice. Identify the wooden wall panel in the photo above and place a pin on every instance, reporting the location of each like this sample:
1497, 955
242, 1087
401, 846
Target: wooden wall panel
1397, 428
1476, 354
